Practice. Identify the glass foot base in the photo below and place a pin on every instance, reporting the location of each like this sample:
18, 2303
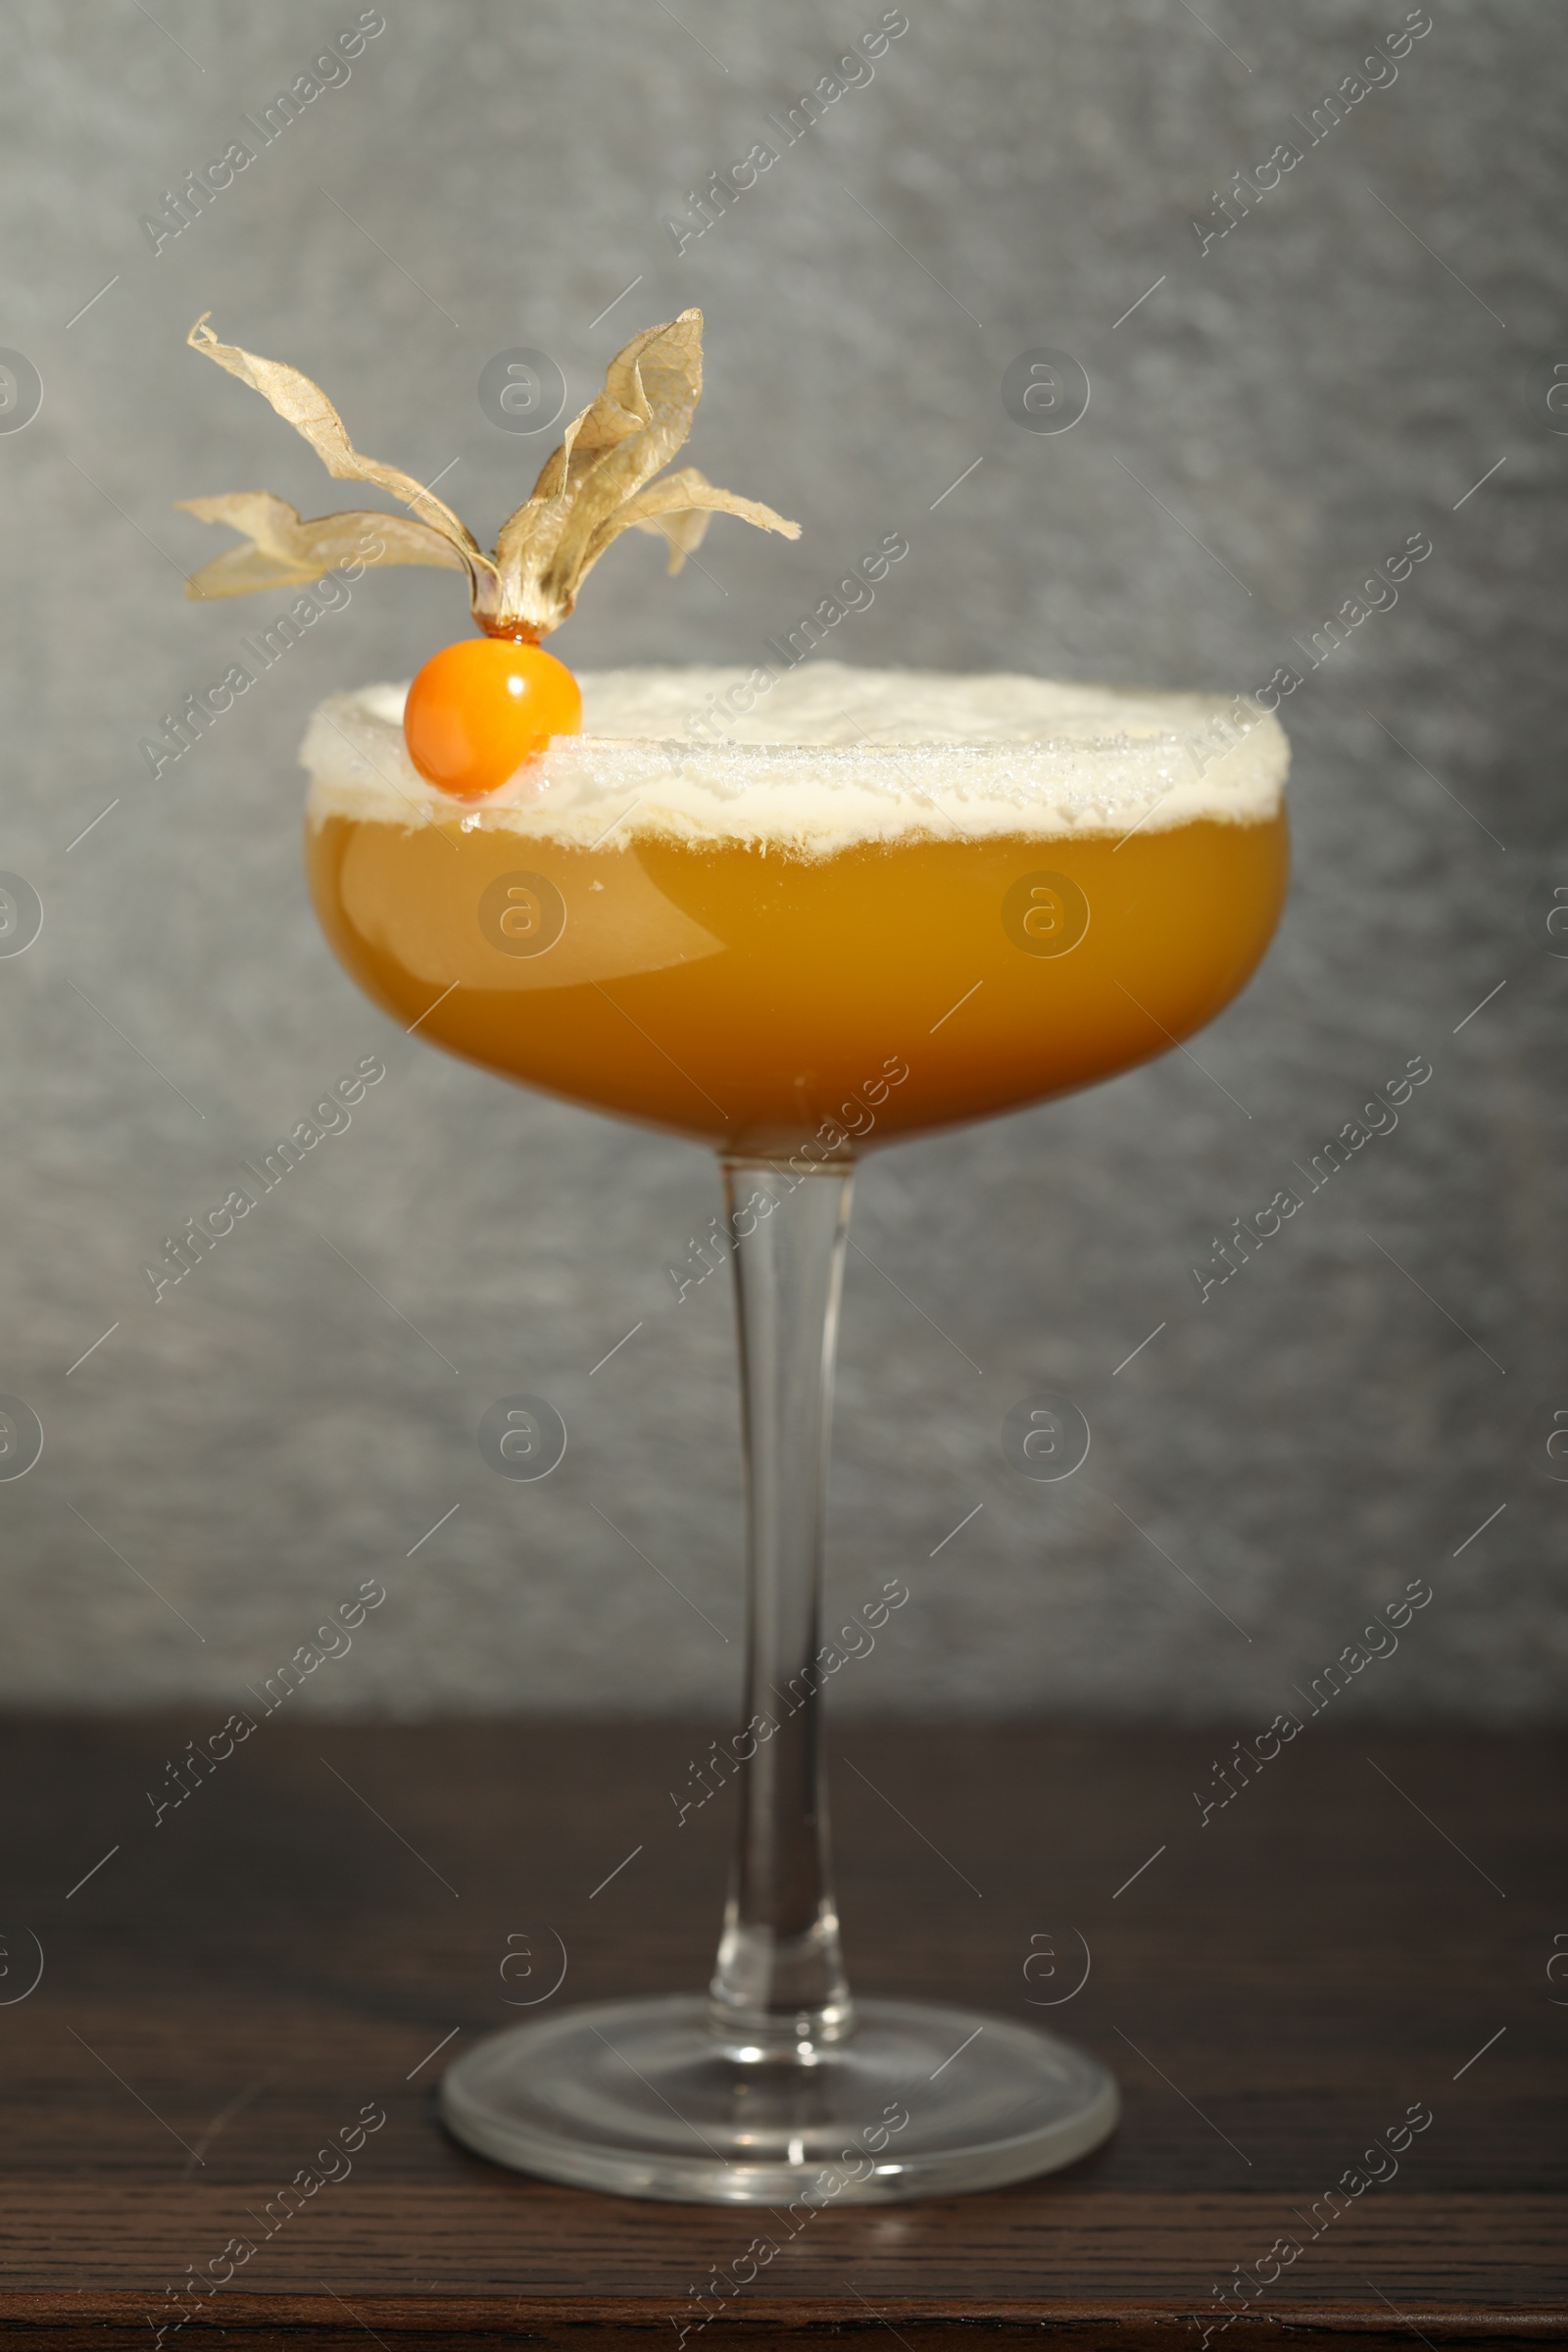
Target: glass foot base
637, 2097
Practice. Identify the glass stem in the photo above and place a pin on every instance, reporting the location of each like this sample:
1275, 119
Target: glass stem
779, 1987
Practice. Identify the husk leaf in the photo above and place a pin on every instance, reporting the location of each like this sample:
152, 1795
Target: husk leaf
678, 509
306, 407
596, 485
285, 551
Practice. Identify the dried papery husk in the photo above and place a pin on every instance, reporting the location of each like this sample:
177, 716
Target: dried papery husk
679, 509
596, 485
285, 550
306, 407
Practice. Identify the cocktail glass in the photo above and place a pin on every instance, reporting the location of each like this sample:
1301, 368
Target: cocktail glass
898, 902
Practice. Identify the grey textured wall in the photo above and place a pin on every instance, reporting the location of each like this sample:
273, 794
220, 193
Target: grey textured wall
1279, 412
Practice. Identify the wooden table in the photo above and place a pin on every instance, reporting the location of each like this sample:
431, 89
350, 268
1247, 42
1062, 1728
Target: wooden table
1275, 1987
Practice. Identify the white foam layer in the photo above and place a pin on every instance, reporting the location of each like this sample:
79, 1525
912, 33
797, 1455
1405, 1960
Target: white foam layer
825, 755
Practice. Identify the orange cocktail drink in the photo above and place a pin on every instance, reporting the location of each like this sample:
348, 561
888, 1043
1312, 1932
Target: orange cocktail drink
754, 943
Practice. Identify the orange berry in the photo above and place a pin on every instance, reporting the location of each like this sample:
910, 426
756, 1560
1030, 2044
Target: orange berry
479, 709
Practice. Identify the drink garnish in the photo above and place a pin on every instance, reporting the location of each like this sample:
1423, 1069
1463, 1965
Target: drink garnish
480, 707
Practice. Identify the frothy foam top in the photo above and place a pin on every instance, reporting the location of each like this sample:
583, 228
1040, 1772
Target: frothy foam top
825, 755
